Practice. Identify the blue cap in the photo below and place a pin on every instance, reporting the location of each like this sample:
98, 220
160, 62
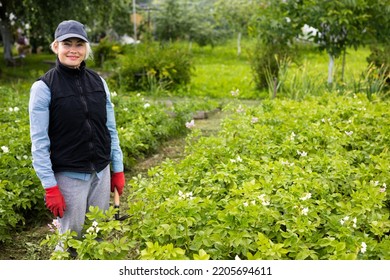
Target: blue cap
70, 29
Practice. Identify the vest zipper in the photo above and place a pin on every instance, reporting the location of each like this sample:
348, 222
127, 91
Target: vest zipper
84, 102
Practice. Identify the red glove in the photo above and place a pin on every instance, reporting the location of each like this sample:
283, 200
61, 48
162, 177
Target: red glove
55, 202
118, 182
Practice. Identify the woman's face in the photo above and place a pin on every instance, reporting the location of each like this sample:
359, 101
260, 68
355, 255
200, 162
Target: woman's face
71, 52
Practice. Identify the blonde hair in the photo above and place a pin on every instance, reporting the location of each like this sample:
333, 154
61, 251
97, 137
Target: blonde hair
88, 53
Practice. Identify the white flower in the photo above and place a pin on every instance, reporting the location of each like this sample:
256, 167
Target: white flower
190, 124
54, 225
245, 204
287, 163
354, 222
114, 93
307, 196
383, 188
349, 133
240, 109
5, 149
302, 154
95, 224
238, 159
146, 105
90, 229
235, 92
343, 220
292, 136
254, 120
264, 202
363, 249
305, 211
187, 195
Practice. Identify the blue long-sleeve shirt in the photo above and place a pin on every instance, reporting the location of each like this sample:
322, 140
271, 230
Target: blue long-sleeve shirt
40, 98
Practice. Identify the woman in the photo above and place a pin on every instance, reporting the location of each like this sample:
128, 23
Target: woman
73, 132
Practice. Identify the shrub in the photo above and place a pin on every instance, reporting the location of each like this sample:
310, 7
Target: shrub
153, 67
106, 50
267, 63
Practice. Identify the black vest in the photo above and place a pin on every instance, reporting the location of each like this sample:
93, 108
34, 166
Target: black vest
79, 137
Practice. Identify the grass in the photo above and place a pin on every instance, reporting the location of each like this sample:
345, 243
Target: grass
27, 71
219, 70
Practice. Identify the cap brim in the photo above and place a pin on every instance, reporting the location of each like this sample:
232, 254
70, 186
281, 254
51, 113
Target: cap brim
71, 35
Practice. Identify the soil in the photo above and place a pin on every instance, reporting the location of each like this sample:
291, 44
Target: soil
25, 245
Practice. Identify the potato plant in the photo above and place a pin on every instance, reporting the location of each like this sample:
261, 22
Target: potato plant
20, 198
282, 180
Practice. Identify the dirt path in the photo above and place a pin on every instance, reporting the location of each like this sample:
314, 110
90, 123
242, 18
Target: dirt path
25, 245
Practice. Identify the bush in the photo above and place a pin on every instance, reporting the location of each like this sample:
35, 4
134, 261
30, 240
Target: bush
106, 50
153, 67
267, 62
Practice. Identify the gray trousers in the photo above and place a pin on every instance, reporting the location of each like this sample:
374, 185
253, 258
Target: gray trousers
79, 195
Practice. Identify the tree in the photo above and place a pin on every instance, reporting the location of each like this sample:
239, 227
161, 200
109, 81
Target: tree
237, 14
41, 17
7, 13
190, 20
275, 32
341, 24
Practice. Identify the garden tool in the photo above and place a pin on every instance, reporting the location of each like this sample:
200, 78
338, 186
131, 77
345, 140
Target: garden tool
116, 206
